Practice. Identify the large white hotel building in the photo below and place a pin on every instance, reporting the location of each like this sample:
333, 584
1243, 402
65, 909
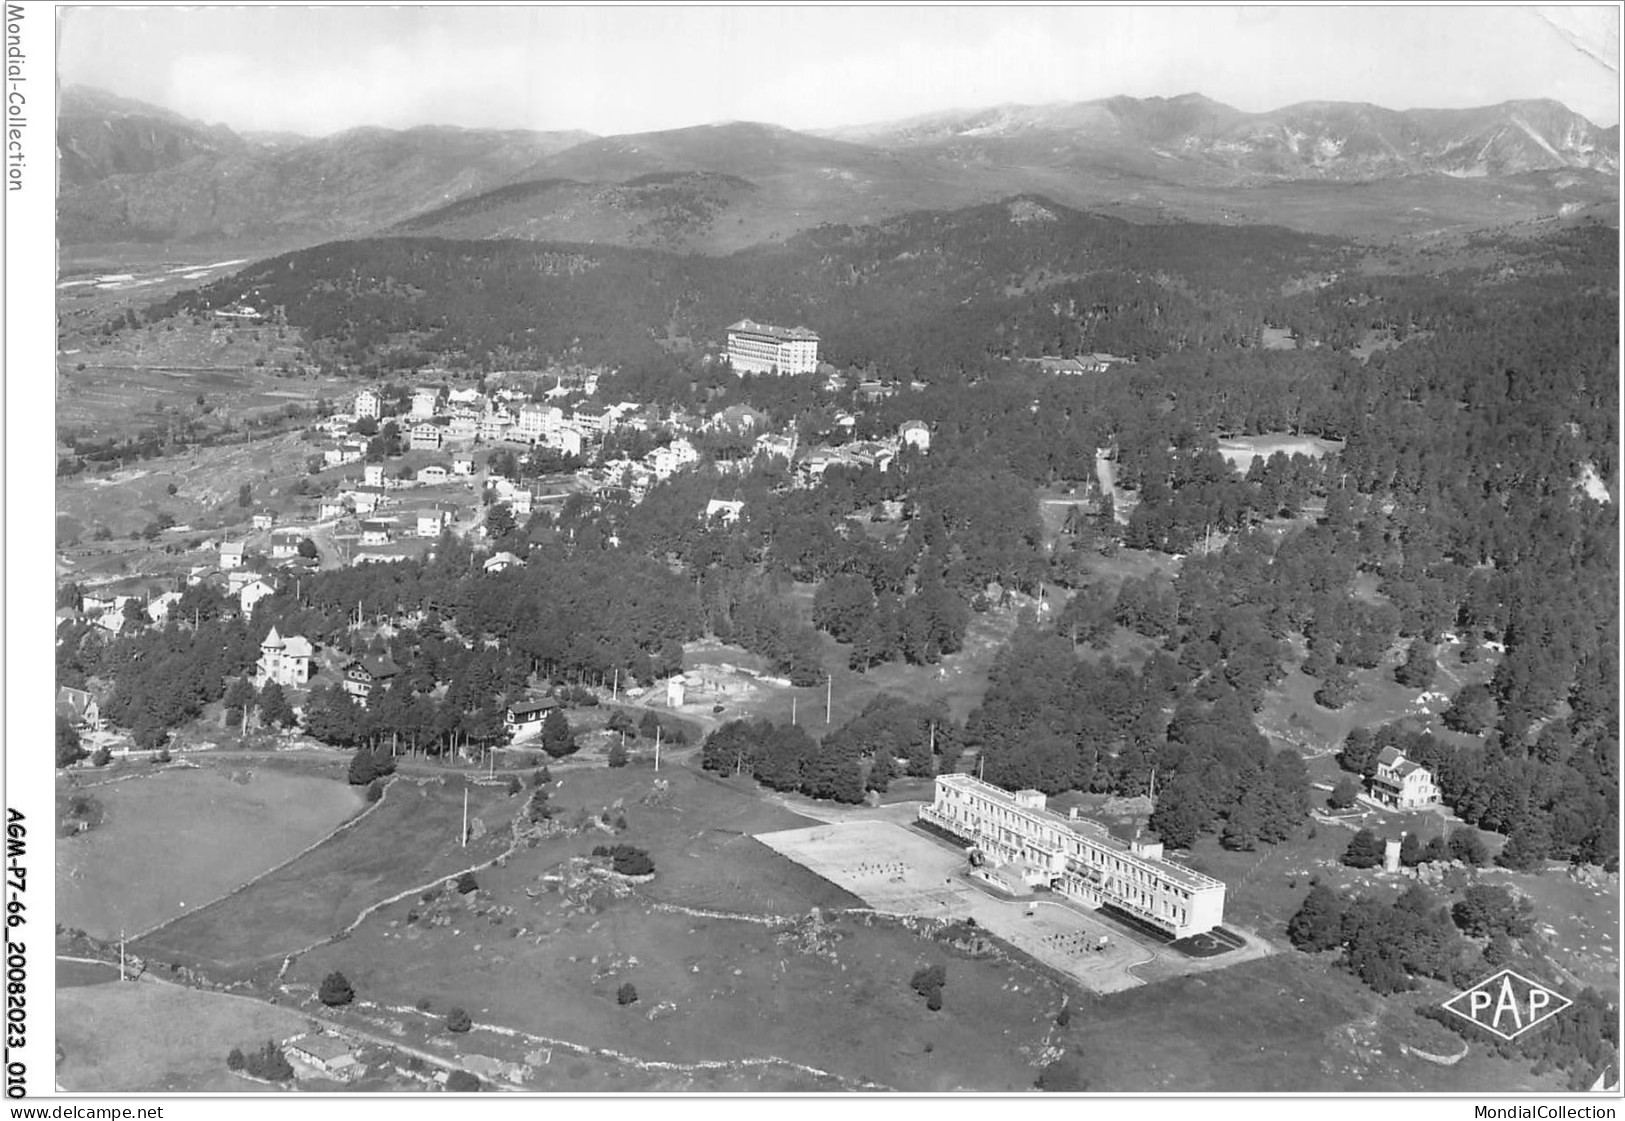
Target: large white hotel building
760, 348
1076, 857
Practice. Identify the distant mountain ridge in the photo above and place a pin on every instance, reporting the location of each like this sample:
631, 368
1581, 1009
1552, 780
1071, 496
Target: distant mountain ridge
136, 173
1311, 140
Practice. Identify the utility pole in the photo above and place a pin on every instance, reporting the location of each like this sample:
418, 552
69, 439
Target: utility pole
792, 708
829, 696
465, 817
615, 690
657, 748
121, 975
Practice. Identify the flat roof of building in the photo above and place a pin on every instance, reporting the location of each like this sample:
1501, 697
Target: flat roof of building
768, 330
1086, 828
323, 1047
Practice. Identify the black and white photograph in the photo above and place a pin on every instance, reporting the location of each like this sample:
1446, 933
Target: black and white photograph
794, 550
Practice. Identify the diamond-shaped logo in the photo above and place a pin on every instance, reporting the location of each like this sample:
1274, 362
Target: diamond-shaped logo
1507, 1004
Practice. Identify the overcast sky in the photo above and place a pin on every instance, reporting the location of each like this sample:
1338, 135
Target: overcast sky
616, 69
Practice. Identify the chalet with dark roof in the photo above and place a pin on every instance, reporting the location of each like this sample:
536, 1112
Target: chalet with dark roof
365, 674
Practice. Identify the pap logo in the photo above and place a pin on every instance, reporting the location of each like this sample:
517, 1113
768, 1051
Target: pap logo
1507, 1004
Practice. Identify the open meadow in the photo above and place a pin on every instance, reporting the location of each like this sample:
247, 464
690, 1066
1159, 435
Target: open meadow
1290, 714
411, 838
728, 967
175, 839
154, 1037
207, 481
1284, 1024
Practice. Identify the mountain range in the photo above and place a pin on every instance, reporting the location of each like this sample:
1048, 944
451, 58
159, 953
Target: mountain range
136, 173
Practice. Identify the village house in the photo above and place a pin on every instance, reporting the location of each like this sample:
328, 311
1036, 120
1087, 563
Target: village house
325, 1054
285, 542
502, 562
330, 509
741, 420
79, 708
569, 441
158, 607
596, 419
426, 435
362, 675
915, 434
367, 498
368, 404
495, 425
251, 593
432, 519
263, 520
340, 454
285, 661
375, 532
726, 510
667, 461
231, 556
373, 474
425, 399
462, 465
1402, 785
465, 425
433, 474
524, 718
772, 446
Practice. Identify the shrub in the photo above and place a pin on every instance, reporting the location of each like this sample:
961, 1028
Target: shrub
1062, 1077
1345, 793
102, 757
375, 790
626, 994
335, 990
1468, 847
617, 755
1410, 850
1318, 924
462, 1082
235, 1060
268, 1063
366, 766
68, 750
457, 1020
1364, 851
466, 883
928, 983
627, 860
514, 786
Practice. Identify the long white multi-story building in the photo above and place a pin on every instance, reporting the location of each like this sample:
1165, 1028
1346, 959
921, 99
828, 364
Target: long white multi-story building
1076, 857
760, 348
